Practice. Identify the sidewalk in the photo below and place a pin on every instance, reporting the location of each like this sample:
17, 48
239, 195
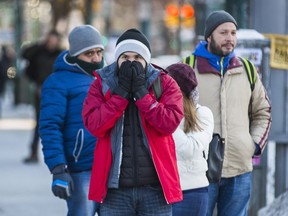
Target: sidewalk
24, 189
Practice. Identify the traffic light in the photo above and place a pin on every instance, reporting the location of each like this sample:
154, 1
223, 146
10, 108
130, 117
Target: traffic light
173, 15
187, 11
187, 14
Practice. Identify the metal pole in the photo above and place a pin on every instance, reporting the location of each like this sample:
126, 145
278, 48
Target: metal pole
106, 11
180, 4
18, 30
144, 14
18, 41
89, 13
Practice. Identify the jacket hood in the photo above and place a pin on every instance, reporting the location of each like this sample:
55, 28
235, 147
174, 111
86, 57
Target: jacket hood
214, 60
62, 65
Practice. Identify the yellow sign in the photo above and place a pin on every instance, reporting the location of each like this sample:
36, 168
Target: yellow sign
279, 51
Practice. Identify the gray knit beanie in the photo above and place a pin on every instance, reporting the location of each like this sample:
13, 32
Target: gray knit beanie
83, 38
215, 19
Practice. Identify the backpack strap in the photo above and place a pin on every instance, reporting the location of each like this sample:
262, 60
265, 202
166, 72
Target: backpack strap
251, 71
252, 75
250, 68
190, 60
157, 88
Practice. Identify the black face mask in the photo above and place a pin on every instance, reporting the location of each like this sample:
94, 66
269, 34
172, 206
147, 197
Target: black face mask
86, 66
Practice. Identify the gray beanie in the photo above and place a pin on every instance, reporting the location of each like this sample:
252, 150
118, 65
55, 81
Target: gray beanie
215, 19
83, 38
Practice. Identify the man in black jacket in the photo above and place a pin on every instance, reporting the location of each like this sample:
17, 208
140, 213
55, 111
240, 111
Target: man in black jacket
40, 57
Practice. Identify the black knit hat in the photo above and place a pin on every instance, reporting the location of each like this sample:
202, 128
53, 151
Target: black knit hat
133, 40
184, 75
215, 19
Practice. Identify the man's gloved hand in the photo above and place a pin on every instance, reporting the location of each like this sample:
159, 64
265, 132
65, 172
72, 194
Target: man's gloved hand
257, 149
62, 184
124, 80
138, 82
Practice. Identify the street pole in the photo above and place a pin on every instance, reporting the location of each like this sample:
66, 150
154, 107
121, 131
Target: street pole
18, 22
89, 12
180, 4
144, 13
18, 41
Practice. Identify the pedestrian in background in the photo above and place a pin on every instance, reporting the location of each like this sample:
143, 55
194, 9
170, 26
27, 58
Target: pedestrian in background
6, 61
134, 170
224, 87
67, 145
192, 139
40, 57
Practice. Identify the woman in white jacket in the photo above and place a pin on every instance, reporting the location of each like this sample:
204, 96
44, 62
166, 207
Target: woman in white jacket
192, 139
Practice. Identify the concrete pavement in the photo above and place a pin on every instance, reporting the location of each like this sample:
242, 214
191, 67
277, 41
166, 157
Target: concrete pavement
24, 189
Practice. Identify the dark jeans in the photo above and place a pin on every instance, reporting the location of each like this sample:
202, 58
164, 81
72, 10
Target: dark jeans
195, 203
231, 195
142, 201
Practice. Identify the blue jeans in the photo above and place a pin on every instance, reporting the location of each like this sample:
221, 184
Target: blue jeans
78, 204
140, 201
231, 195
195, 203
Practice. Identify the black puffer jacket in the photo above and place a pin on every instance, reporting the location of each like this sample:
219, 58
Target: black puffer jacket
137, 167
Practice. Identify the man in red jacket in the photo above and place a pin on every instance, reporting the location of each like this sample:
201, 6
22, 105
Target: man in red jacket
134, 170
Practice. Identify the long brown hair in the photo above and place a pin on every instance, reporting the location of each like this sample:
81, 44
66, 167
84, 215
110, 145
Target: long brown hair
191, 120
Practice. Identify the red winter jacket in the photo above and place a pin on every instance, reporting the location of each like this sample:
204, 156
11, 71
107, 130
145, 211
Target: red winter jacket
103, 117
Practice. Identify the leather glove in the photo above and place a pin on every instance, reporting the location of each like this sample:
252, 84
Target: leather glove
124, 80
138, 81
62, 185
